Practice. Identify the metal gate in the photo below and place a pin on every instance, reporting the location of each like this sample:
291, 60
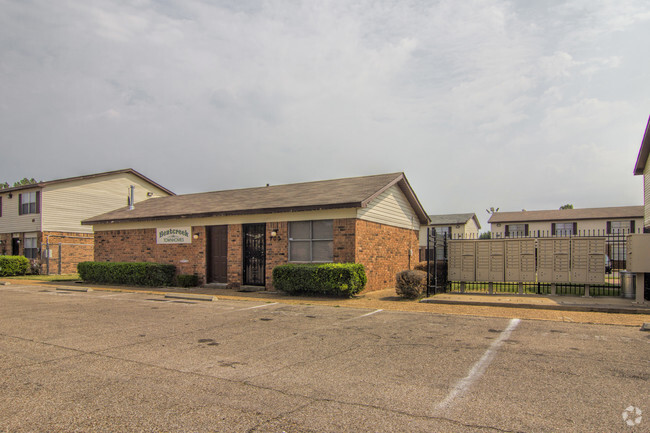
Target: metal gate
436, 257
254, 254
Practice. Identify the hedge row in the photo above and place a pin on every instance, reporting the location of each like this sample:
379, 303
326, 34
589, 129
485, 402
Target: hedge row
140, 274
13, 265
337, 279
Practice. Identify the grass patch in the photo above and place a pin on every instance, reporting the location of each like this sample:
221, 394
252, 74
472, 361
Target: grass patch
64, 277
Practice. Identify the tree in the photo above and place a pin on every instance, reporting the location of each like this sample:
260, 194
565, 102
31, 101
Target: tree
23, 181
486, 235
566, 206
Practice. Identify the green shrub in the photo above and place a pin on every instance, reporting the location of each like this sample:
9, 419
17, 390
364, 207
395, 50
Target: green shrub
335, 279
411, 284
136, 273
187, 280
13, 265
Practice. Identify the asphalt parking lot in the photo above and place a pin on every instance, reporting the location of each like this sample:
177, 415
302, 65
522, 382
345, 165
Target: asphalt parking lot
103, 361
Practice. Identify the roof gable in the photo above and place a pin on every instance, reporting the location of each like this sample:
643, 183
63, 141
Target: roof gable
644, 151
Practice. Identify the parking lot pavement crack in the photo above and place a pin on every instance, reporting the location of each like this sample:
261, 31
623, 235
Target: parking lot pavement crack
78, 354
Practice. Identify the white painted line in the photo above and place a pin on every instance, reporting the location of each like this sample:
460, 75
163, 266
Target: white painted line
257, 306
364, 315
190, 296
478, 369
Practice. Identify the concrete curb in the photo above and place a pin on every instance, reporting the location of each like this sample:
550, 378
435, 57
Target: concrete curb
585, 308
193, 297
74, 289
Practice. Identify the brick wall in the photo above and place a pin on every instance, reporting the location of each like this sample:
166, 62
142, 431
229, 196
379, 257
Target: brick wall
5, 244
235, 265
384, 251
277, 249
344, 240
140, 246
75, 248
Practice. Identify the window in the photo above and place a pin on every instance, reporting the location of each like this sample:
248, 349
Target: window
516, 230
311, 241
564, 229
620, 227
30, 249
28, 202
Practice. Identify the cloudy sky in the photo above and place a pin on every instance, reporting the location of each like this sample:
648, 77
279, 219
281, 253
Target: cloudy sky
512, 104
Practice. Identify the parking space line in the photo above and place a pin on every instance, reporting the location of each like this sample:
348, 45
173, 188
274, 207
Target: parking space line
257, 306
479, 368
363, 315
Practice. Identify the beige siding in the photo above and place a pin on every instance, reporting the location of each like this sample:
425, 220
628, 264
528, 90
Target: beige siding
468, 230
391, 208
646, 193
596, 227
471, 229
11, 222
234, 219
66, 204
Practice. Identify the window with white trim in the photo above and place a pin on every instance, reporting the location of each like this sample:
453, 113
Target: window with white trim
28, 203
311, 241
30, 247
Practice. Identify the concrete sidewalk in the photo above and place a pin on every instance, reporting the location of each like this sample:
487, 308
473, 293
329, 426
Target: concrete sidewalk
603, 304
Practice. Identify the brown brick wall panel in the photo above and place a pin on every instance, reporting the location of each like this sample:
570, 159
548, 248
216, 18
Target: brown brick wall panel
235, 245
140, 246
384, 251
277, 249
75, 248
344, 240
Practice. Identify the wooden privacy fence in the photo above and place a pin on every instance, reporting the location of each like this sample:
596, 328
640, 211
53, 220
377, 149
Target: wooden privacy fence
560, 260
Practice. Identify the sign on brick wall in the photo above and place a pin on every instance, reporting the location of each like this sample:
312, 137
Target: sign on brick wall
174, 235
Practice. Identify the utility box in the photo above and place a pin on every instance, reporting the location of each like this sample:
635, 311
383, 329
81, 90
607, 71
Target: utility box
638, 252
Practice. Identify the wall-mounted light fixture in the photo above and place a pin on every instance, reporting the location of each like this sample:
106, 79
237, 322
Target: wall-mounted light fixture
274, 233
10, 195
195, 236
149, 194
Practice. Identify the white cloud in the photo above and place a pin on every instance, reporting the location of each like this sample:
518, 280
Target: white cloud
463, 96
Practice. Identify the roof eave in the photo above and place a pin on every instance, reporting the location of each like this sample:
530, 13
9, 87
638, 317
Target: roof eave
352, 205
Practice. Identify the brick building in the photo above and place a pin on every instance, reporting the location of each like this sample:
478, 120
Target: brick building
42, 221
238, 236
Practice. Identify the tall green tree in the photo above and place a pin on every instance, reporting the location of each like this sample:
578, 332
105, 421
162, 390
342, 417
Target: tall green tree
566, 206
23, 181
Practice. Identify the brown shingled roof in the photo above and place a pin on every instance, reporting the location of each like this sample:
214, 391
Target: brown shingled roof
353, 192
568, 214
454, 218
87, 176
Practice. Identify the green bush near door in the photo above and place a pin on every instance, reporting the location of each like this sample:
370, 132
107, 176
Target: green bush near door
137, 273
333, 279
13, 265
